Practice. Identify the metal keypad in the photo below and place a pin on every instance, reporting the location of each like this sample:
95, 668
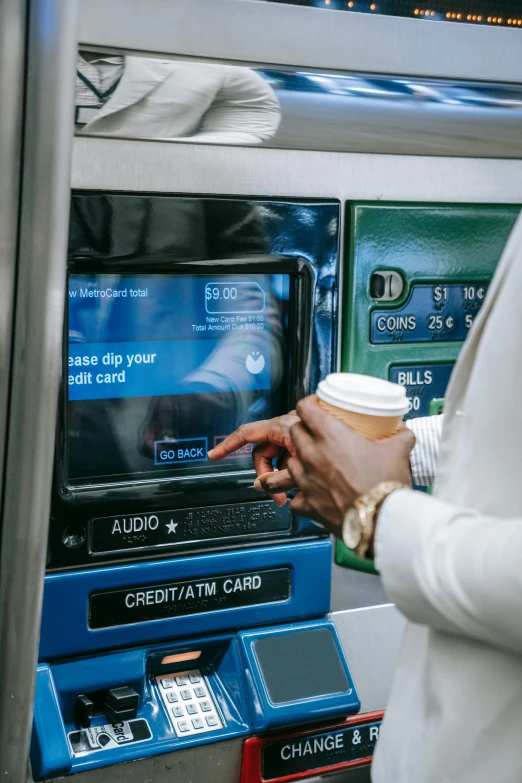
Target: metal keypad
194, 710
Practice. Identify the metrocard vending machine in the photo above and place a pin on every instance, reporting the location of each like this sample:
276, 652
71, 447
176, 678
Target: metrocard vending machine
415, 279
181, 607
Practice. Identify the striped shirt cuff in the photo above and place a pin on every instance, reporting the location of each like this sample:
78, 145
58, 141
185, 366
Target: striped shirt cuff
423, 458
423, 462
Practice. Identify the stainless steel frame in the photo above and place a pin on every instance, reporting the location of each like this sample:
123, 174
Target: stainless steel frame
36, 366
371, 637
115, 164
12, 48
254, 32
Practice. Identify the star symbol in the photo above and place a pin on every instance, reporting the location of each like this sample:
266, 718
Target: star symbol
171, 526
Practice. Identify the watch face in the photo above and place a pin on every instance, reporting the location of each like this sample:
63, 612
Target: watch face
352, 530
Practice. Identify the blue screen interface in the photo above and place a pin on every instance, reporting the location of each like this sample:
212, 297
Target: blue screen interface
160, 368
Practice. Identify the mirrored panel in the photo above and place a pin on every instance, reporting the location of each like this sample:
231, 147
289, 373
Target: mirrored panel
138, 97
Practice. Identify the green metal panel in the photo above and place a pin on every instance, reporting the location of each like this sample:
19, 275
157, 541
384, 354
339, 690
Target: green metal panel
436, 406
428, 246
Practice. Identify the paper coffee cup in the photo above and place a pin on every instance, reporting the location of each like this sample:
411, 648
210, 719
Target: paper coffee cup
370, 406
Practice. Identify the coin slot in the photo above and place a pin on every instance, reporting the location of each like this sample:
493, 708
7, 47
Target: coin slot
386, 286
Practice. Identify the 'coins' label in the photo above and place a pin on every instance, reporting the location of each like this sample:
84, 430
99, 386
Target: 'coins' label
192, 596
433, 313
129, 532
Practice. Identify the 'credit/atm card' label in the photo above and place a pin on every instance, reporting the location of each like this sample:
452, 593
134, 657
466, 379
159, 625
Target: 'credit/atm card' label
143, 603
433, 313
318, 751
423, 383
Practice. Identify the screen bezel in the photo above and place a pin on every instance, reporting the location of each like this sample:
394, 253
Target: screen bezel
297, 384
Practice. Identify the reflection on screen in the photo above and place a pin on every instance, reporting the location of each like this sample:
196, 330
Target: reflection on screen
161, 367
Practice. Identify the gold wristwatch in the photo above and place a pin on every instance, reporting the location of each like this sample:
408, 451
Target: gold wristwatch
359, 520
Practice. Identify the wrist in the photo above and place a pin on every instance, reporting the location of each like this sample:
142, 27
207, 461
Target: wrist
371, 548
360, 521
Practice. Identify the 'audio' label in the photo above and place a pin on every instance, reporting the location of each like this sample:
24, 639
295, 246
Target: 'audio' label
184, 526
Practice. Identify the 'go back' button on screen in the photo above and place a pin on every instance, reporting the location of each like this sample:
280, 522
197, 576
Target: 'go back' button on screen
174, 452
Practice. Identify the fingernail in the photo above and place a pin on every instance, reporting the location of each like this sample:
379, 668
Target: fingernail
280, 501
210, 453
257, 485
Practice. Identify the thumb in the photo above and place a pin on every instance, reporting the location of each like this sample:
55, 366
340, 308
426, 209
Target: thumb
404, 439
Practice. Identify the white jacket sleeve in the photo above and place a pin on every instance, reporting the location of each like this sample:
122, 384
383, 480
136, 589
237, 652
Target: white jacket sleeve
451, 569
244, 111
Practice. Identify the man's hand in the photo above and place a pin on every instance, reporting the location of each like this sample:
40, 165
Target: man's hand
273, 437
332, 465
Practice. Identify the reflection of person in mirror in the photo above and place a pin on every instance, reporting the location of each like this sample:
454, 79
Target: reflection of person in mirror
139, 97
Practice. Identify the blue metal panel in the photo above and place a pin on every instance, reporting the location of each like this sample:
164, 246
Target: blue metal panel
59, 684
267, 715
234, 675
49, 748
65, 630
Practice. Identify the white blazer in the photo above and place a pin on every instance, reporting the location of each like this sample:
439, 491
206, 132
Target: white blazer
453, 565
211, 103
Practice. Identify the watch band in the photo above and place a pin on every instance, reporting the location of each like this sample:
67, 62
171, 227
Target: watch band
359, 521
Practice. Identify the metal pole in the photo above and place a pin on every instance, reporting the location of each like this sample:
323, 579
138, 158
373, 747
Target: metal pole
39, 306
12, 55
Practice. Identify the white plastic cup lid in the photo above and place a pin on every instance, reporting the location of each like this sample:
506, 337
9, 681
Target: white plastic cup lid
363, 394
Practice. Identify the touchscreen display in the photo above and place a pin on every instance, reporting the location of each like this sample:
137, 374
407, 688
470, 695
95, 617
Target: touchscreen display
160, 368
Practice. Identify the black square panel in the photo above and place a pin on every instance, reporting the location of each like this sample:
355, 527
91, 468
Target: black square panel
301, 665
